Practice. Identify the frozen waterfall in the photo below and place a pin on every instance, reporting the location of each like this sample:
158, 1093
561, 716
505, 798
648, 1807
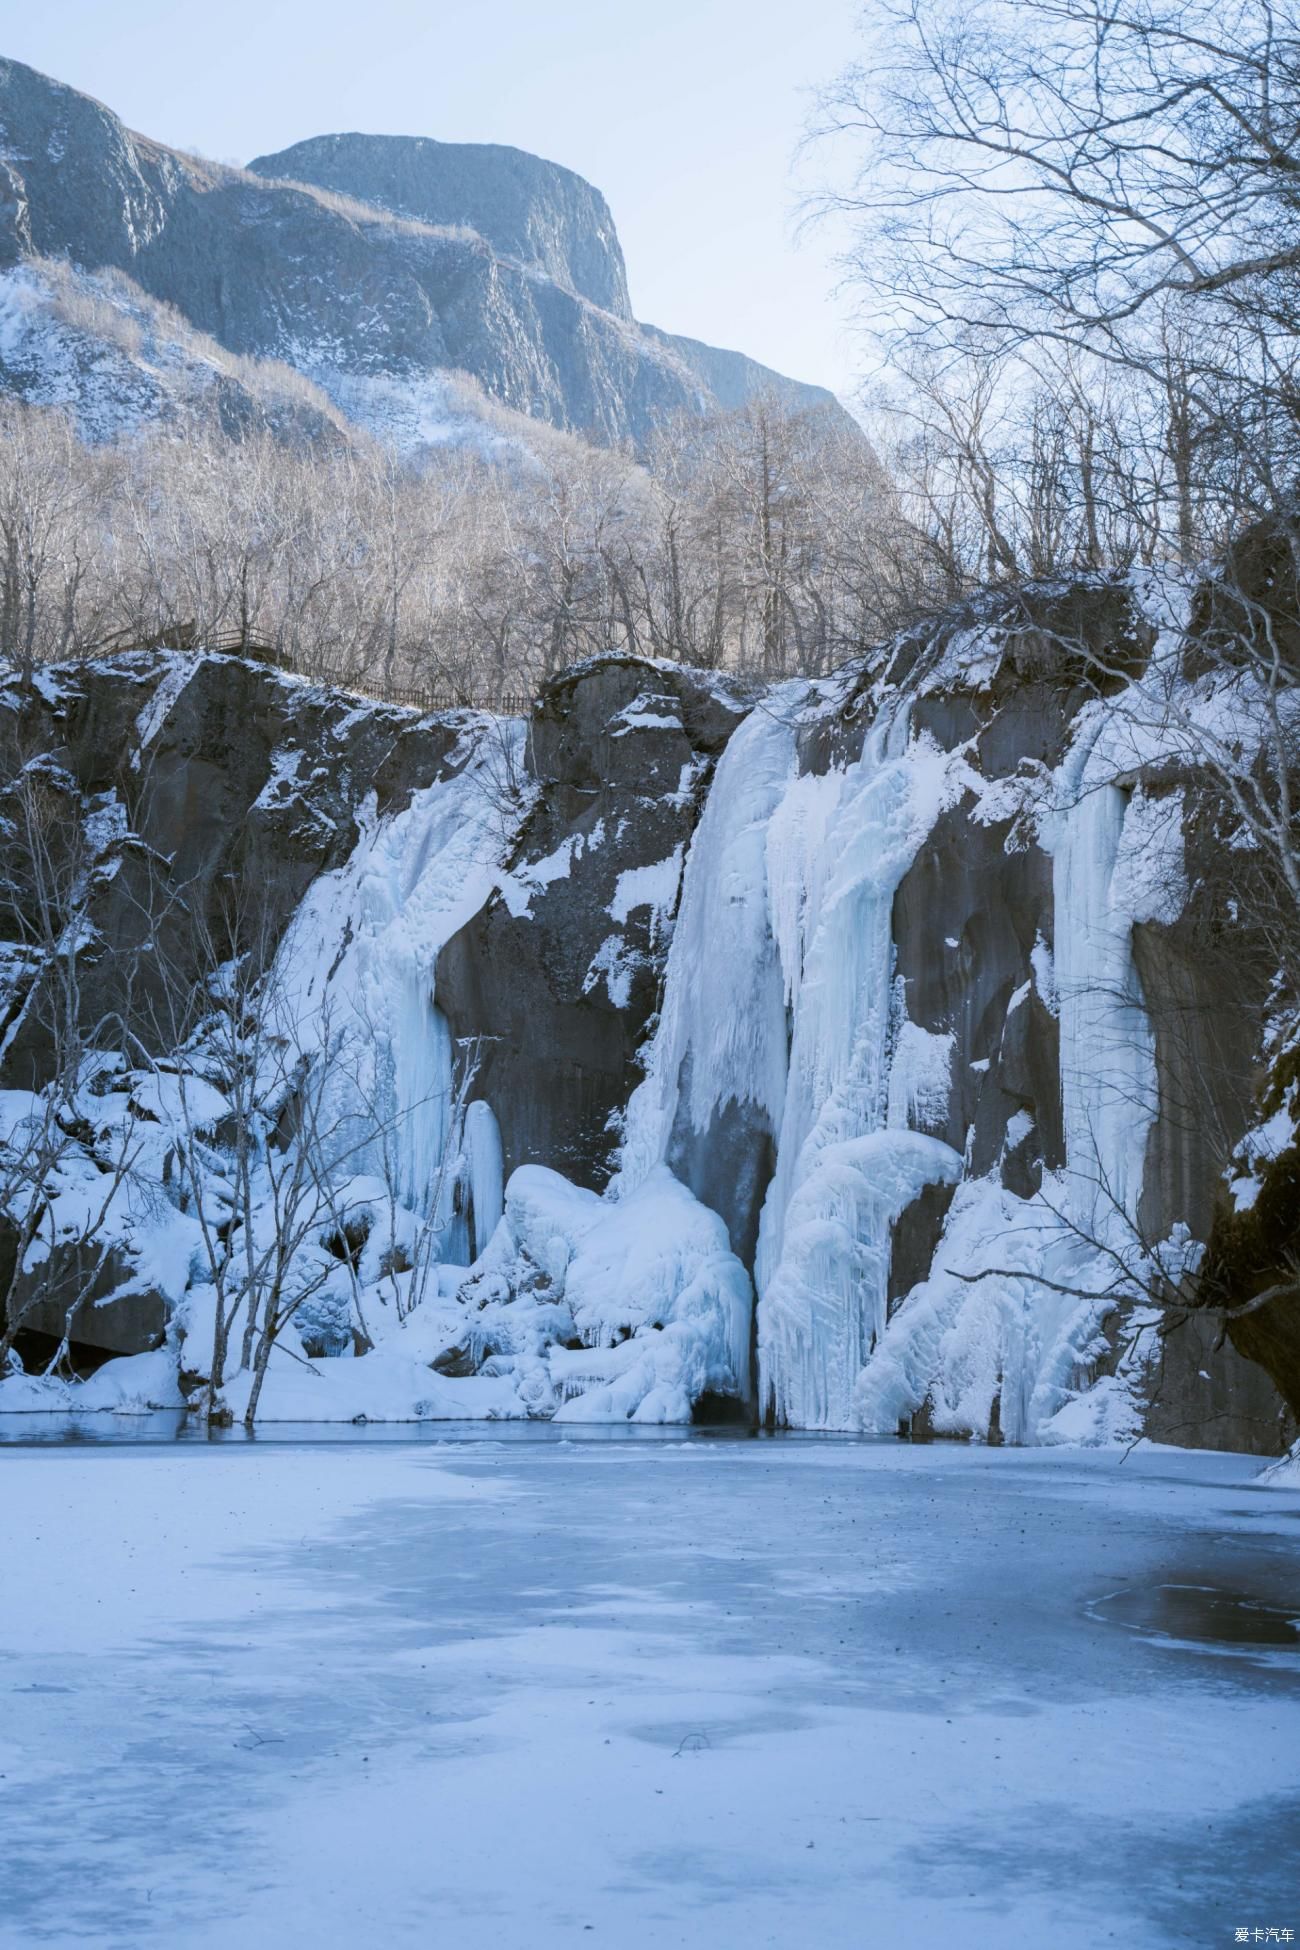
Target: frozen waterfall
782, 1031
1008, 1320
778, 998
355, 986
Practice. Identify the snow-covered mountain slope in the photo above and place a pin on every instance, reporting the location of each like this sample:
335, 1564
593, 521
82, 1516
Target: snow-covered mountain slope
93, 342
865, 1053
384, 268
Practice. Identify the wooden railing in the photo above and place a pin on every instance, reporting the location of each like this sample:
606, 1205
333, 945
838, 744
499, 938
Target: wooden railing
507, 704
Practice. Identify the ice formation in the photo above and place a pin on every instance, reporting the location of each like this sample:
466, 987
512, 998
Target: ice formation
722, 1030
485, 1166
842, 1175
778, 996
612, 1310
1009, 1318
1108, 1082
783, 1018
354, 980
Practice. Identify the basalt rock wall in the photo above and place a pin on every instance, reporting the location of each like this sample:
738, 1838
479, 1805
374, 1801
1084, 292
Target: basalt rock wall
181, 785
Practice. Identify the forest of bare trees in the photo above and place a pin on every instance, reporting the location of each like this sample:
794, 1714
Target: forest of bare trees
765, 540
480, 571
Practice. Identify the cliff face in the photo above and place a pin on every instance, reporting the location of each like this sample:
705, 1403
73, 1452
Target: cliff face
1178, 1061
527, 209
386, 265
858, 1051
140, 795
560, 971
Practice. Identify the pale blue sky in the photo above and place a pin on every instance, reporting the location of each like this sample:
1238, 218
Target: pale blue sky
686, 113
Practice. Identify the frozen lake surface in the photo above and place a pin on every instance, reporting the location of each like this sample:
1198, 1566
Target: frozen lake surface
722, 1693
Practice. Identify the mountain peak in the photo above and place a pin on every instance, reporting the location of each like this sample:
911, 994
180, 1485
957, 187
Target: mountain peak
535, 212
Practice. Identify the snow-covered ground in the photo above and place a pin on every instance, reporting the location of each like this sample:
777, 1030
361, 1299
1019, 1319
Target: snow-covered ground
549, 1686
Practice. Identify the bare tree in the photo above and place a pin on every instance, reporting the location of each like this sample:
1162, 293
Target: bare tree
1059, 166
1091, 206
65, 1187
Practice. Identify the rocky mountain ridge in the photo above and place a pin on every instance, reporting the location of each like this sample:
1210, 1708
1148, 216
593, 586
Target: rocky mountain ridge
374, 268
530, 211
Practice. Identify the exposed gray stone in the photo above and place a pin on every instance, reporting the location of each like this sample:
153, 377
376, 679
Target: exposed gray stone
562, 1043
533, 211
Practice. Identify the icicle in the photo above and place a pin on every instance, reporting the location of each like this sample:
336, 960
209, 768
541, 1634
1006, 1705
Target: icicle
722, 1030
355, 984
1108, 1075
486, 1184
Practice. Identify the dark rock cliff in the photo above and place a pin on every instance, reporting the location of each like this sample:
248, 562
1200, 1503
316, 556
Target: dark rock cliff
186, 781
198, 798
564, 986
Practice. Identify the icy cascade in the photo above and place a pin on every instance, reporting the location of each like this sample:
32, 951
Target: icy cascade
837, 849
355, 985
722, 1028
590, 1308
1108, 1078
644, 1277
1007, 1317
778, 996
